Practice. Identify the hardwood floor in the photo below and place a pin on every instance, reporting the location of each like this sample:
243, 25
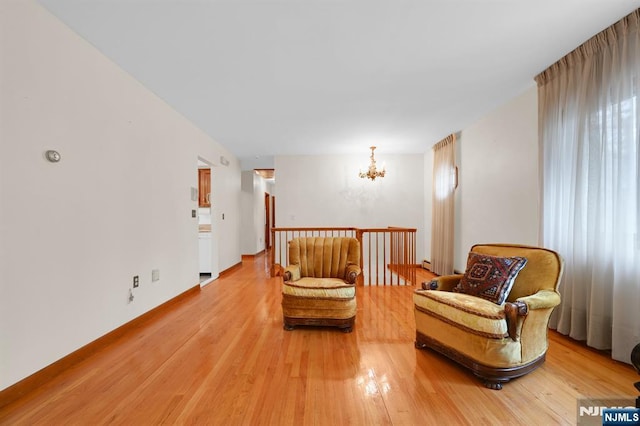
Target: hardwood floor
221, 356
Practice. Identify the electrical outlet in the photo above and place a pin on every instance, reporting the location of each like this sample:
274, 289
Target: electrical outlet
136, 281
155, 275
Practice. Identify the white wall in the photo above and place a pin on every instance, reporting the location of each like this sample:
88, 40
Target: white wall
428, 203
118, 204
498, 191
253, 212
326, 191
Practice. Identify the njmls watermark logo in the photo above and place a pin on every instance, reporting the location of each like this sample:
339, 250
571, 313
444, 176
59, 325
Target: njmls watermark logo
608, 411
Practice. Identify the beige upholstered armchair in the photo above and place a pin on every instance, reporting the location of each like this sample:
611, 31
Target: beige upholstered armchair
494, 318
319, 282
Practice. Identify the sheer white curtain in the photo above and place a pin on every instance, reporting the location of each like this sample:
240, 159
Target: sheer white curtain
589, 115
443, 207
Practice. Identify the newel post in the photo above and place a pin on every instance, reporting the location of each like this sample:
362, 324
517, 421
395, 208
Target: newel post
360, 280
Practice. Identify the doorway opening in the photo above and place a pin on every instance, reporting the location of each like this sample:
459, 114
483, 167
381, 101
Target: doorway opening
206, 242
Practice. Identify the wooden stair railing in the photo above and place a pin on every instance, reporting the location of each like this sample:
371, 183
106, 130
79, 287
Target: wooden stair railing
387, 255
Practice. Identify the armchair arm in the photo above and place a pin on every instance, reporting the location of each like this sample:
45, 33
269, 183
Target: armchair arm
541, 300
514, 314
516, 311
291, 273
443, 283
352, 272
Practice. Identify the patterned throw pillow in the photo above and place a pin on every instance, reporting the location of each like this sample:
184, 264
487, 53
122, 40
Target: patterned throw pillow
490, 277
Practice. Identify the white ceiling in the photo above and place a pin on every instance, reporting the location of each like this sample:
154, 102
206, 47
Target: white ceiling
290, 77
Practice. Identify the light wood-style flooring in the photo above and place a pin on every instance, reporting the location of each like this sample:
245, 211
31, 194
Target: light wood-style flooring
221, 356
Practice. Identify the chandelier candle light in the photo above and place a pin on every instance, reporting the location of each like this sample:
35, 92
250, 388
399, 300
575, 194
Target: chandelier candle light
372, 173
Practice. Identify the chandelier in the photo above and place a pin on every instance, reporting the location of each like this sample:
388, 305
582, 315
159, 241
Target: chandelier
372, 173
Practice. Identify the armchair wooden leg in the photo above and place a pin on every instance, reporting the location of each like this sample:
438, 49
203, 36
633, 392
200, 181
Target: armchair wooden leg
492, 384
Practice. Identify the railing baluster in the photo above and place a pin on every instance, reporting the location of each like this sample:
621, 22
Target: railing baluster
377, 259
369, 256
386, 259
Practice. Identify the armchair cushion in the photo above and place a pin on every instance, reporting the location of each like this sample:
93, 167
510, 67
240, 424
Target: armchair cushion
469, 313
490, 277
325, 288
